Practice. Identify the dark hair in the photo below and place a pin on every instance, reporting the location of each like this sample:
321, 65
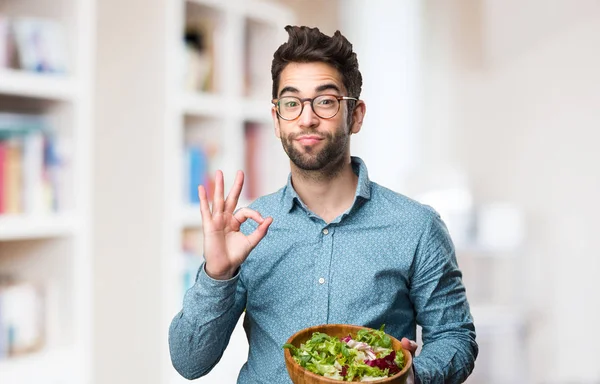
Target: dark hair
306, 45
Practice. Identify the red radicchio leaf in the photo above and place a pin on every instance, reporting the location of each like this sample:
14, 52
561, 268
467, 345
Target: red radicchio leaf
344, 371
385, 362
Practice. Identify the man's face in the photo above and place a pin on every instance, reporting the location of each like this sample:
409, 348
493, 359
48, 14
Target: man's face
313, 143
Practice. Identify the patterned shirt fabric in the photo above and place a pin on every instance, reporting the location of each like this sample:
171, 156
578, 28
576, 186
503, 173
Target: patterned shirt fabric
386, 260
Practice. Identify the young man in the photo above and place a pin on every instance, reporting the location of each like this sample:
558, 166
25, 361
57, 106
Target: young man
339, 248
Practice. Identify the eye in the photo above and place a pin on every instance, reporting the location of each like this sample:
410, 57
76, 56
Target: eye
326, 101
289, 102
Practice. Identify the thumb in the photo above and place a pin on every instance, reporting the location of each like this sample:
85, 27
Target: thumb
409, 345
255, 237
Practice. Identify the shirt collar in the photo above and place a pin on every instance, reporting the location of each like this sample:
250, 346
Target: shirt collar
363, 188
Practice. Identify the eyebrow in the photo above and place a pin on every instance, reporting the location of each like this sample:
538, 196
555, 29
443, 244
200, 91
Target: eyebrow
327, 87
288, 89
320, 88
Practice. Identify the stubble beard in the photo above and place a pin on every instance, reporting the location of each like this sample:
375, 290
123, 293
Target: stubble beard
319, 163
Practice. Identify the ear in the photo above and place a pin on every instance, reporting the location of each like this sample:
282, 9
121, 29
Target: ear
275, 122
358, 115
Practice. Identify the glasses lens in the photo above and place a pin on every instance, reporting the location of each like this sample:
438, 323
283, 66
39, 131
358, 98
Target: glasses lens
290, 107
326, 106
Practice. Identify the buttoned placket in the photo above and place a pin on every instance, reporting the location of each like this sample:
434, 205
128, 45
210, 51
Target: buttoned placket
321, 279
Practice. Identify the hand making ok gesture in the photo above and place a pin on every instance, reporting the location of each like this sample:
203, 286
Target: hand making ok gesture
225, 247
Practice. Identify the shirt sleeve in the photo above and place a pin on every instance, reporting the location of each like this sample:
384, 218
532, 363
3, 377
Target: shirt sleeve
438, 294
200, 332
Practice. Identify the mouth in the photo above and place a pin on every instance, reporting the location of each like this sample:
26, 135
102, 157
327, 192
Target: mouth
309, 139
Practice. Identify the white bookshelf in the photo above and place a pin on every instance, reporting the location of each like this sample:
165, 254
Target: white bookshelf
198, 104
52, 249
221, 114
38, 85
21, 227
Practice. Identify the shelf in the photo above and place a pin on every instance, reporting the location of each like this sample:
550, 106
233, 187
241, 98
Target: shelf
20, 227
51, 367
52, 249
211, 105
37, 85
203, 104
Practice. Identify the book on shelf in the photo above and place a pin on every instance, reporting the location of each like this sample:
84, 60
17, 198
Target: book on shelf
5, 47
198, 171
41, 44
199, 56
265, 163
200, 159
197, 162
30, 166
203, 155
252, 136
33, 44
22, 317
10, 161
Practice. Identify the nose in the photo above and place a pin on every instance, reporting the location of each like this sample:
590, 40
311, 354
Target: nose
308, 118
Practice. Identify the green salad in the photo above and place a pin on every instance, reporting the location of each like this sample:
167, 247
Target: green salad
369, 357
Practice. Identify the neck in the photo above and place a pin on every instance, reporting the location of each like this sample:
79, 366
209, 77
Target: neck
327, 192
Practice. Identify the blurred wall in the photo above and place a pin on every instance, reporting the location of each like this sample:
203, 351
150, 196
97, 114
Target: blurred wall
512, 95
386, 37
316, 13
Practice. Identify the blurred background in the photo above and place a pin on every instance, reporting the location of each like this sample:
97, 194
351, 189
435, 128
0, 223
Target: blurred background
112, 111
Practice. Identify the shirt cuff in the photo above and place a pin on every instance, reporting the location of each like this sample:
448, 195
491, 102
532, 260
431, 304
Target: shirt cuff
210, 294
214, 282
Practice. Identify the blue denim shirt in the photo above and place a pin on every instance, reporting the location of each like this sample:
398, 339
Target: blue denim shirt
387, 260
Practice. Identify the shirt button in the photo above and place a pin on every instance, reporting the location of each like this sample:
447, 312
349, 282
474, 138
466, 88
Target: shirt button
325, 231
321, 280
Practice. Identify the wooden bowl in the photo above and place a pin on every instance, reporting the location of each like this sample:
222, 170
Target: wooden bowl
300, 375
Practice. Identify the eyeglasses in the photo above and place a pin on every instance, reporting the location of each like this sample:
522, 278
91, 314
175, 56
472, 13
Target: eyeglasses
324, 106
